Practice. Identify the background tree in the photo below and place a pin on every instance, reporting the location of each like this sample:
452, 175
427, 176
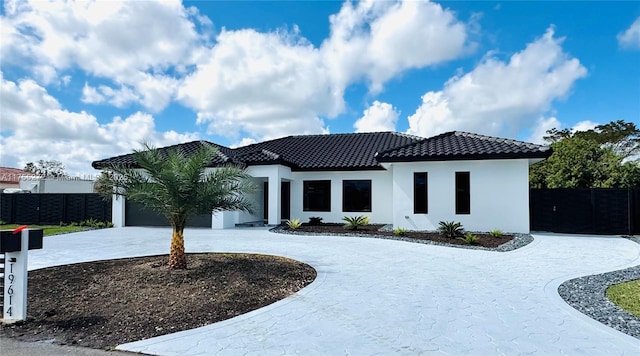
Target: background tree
179, 186
597, 158
47, 169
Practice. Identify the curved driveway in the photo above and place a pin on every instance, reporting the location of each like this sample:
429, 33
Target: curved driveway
383, 297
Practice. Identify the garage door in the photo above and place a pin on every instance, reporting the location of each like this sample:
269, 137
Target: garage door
135, 214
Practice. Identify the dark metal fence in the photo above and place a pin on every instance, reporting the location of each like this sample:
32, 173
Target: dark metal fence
586, 211
53, 208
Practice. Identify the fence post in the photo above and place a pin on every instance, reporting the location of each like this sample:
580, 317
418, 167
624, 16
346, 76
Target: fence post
630, 209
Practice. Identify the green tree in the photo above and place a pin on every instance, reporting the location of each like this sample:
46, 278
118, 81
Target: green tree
597, 158
47, 169
179, 186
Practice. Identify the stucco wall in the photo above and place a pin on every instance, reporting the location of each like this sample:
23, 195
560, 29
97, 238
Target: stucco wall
380, 195
499, 191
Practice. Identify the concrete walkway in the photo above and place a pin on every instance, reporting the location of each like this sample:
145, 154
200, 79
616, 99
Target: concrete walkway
383, 297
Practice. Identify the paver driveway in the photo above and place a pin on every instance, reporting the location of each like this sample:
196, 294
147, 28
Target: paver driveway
383, 297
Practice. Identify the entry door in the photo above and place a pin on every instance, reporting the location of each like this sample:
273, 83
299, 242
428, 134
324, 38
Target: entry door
285, 200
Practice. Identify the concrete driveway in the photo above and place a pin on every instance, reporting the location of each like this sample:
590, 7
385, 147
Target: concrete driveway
383, 297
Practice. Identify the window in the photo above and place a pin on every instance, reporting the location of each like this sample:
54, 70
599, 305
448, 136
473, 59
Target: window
420, 205
356, 195
463, 199
316, 195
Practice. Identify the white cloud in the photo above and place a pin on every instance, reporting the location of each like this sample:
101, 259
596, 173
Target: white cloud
265, 84
243, 83
379, 40
630, 38
585, 125
541, 128
377, 117
134, 43
501, 98
31, 115
274, 84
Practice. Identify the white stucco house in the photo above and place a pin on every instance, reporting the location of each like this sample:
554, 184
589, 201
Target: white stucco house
394, 178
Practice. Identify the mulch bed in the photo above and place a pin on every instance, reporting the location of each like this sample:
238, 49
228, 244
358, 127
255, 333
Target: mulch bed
484, 239
107, 303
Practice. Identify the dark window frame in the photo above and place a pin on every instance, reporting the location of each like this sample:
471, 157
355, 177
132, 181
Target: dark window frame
420, 198
347, 202
309, 192
463, 193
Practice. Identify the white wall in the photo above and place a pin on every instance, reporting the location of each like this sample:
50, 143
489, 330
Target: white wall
380, 195
117, 211
499, 195
57, 185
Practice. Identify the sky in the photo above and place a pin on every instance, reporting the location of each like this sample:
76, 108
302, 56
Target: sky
82, 81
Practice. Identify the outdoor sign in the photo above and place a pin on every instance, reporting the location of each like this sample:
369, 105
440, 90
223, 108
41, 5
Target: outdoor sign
15, 244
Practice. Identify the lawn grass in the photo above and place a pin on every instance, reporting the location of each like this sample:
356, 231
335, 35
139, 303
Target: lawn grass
48, 229
626, 296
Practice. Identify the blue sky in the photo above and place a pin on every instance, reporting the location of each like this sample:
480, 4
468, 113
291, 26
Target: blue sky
83, 81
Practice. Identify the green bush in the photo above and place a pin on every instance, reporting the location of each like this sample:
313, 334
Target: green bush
110, 224
315, 220
294, 224
496, 233
469, 238
400, 231
353, 223
450, 229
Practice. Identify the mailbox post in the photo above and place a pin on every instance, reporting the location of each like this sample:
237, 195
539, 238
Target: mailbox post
15, 245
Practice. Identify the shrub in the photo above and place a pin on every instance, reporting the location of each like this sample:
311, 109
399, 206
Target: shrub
294, 224
450, 229
110, 224
496, 233
315, 220
101, 225
400, 231
353, 223
89, 222
469, 238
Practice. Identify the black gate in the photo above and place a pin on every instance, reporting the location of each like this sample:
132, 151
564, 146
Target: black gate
585, 211
52, 208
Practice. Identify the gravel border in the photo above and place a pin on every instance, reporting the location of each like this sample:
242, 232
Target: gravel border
518, 241
587, 295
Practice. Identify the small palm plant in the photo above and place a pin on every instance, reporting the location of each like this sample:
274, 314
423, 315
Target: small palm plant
450, 229
469, 238
353, 223
294, 224
400, 231
496, 233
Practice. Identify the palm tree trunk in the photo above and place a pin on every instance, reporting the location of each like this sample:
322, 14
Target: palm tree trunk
177, 256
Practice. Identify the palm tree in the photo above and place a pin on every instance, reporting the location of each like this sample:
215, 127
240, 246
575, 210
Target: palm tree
179, 186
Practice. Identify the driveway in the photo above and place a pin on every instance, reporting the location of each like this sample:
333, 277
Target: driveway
375, 296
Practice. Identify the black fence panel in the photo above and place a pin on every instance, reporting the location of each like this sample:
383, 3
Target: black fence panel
585, 211
6, 207
26, 209
53, 208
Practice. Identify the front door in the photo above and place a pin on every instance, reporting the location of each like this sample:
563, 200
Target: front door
285, 201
